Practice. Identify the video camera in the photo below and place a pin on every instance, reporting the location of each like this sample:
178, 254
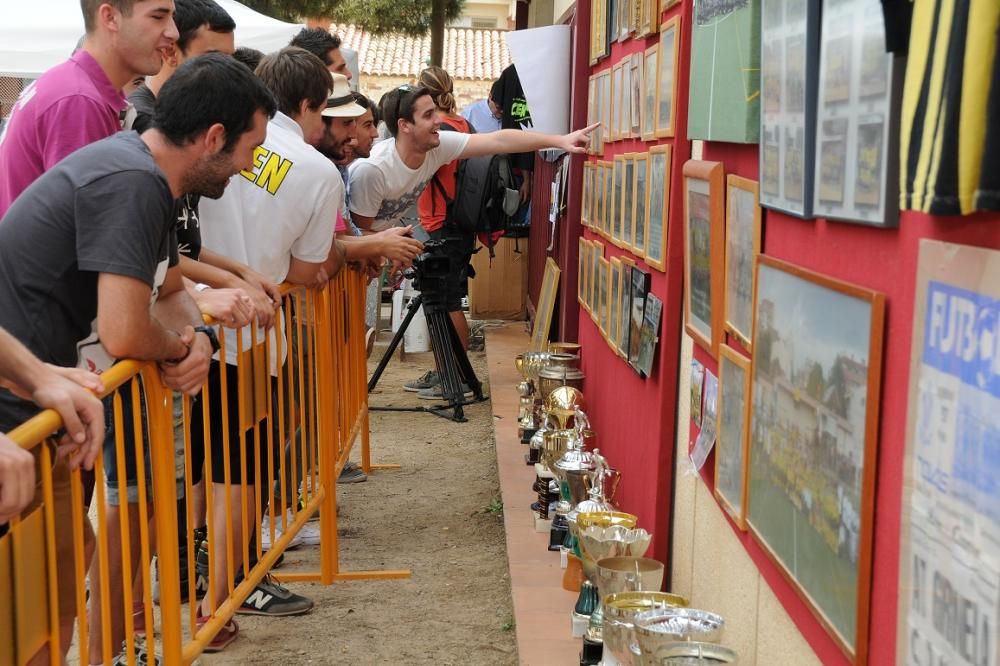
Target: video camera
429, 272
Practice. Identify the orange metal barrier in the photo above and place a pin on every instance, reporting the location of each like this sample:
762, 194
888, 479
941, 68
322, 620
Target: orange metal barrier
311, 380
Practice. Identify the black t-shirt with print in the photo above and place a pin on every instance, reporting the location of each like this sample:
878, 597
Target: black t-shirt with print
107, 208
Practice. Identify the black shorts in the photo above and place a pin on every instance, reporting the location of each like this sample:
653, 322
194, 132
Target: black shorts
244, 454
458, 247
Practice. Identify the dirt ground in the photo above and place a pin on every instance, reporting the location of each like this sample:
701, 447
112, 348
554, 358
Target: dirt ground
439, 516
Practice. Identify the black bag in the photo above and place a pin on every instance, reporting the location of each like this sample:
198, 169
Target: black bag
485, 196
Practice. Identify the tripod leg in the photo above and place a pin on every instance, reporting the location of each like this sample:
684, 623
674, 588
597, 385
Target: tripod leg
444, 357
411, 311
464, 366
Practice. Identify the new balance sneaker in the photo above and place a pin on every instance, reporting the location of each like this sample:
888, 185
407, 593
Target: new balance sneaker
352, 473
435, 393
270, 598
265, 533
230, 630
427, 380
139, 654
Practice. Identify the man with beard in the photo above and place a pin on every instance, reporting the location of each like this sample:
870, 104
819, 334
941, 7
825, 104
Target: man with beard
88, 253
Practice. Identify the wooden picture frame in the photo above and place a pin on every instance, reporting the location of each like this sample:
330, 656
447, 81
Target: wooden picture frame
581, 272
704, 249
732, 434
625, 307
596, 254
639, 288
831, 333
546, 304
606, 193
585, 190
614, 303
666, 77
649, 16
606, 94
592, 112
640, 199
624, 128
598, 31
603, 275
743, 242
627, 209
616, 107
635, 95
649, 335
649, 77
615, 230
658, 211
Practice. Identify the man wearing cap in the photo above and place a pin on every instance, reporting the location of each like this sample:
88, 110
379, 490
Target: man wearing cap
278, 218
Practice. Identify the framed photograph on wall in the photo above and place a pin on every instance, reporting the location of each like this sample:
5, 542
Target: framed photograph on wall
614, 301
858, 111
649, 335
789, 73
732, 439
616, 202
616, 102
635, 97
704, 248
596, 254
639, 289
546, 304
585, 199
608, 198
581, 273
666, 77
624, 98
816, 374
649, 93
592, 112
743, 241
628, 201
659, 206
598, 30
603, 270
641, 199
725, 61
606, 97
625, 311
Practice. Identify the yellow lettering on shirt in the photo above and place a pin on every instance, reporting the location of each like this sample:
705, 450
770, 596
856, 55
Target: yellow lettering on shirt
269, 170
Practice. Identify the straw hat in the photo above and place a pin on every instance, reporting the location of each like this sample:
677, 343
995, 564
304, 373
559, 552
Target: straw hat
341, 102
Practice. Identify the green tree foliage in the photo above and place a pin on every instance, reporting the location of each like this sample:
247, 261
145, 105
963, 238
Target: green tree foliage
409, 17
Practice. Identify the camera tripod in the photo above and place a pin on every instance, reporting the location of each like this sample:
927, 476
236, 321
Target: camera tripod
450, 360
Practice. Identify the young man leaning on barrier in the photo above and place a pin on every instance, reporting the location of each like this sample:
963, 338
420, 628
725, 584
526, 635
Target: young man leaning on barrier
278, 218
88, 253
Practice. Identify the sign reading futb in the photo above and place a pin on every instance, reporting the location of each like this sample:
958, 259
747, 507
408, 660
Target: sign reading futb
950, 534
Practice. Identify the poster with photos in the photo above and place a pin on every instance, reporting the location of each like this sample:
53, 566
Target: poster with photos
789, 35
855, 178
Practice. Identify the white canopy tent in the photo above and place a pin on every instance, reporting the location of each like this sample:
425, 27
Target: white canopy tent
36, 35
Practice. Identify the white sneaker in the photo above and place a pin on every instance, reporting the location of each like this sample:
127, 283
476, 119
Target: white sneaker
265, 533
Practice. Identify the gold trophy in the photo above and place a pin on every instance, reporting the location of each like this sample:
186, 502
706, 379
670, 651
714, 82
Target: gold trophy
620, 610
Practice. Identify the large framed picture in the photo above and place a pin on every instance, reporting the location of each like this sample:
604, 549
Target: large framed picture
617, 219
743, 238
816, 375
625, 310
628, 201
666, 77
641, 202
789, 75
648, 124
659, 206
725, 61
731, 441
858, 113
704, 247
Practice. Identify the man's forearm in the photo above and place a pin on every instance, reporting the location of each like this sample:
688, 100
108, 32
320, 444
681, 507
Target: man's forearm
360, 248
212, 275
508, 141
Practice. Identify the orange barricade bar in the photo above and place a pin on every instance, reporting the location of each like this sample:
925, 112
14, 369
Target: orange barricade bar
286, 414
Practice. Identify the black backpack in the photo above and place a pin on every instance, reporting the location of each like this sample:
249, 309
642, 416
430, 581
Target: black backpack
485, 196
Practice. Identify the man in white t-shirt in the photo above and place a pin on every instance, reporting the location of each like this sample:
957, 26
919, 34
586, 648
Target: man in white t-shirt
387, 183
278, 218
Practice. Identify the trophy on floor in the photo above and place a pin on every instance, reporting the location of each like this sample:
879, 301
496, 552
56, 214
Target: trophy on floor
558, 444
660, 633
620, 610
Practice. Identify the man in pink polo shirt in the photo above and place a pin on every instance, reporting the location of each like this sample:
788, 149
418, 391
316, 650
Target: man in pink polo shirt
79, 101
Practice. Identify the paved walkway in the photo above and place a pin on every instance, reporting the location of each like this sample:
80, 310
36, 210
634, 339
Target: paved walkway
542, 607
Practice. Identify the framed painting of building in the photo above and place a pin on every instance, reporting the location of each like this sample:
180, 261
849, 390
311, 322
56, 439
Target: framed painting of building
704, 248
789, 80
666, 77
815, 380
731, 439
743, 239
659, 206
725, 60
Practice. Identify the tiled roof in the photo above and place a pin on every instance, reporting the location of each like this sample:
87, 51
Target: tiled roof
469, 53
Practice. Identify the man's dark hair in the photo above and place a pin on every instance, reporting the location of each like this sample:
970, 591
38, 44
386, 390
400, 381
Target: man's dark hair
398, 104
249, 56
317, 41
190, 15
292, 75
89, 9
366, 103
211, 88
495, 92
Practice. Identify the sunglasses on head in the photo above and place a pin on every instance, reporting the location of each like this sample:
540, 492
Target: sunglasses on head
400, 91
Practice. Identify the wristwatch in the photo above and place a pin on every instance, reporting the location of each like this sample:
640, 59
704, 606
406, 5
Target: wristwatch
212, 337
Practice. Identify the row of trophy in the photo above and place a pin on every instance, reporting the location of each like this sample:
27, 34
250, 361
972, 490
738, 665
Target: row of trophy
620, 612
